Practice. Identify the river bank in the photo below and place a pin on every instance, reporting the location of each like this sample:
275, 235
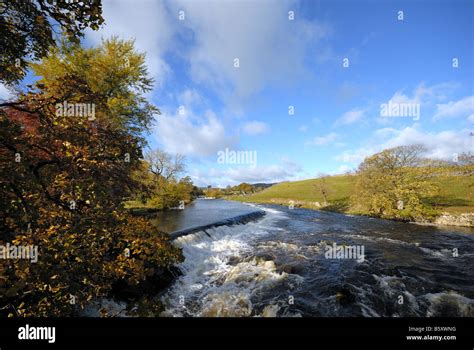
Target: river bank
277, 266
342, 207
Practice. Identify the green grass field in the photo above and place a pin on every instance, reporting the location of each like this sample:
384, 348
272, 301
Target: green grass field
456, 194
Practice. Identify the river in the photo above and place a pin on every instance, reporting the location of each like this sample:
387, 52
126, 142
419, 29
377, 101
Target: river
278, 265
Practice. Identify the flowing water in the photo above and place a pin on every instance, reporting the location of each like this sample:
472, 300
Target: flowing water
277, 265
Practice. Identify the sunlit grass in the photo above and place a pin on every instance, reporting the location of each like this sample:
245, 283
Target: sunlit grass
455, 194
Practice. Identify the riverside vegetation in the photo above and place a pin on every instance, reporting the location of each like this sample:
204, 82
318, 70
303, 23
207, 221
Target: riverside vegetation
397, 184
64, 178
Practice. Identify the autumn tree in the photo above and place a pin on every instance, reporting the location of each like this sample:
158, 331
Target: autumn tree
245, 188
213, 192
63, 178
111, 76
394, 184
28, 28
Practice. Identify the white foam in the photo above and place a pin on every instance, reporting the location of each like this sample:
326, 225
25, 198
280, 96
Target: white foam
216, 280
461, 303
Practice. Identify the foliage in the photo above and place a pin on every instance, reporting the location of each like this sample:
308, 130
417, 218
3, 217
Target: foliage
27, 30
169, 193
160, 187
213, 192
242, 188
245, 188
63, 179
393, 184
112, 76
455, 196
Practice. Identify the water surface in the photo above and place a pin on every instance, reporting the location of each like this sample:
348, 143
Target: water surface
276, 266
201, 212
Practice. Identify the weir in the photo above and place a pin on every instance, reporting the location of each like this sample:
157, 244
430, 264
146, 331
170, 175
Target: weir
236, 220
241, 270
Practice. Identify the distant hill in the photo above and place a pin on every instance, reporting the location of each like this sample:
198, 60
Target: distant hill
456, 194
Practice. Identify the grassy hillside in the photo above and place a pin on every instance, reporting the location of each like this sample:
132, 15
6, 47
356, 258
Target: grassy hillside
456, 194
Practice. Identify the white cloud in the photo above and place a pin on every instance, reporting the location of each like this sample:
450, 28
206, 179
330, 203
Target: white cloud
285, 170
350, 117
356, 156
146, 21
440, 145
270, 48
323, 140
385, 132
423, 94
5, 93
401, 98
453, 109
189, 97
421, 98
191, 135
255, 128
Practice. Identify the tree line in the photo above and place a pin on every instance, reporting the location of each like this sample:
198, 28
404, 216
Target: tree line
64, 177
399, 183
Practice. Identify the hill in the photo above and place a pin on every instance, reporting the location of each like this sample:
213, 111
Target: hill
456, 194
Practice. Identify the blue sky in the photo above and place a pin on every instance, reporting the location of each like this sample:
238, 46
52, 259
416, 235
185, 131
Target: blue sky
299, 63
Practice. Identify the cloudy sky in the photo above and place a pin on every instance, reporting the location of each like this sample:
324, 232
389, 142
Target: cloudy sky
301, 83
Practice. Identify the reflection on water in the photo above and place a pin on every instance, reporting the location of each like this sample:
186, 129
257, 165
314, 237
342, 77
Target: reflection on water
276, 266
201, 212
